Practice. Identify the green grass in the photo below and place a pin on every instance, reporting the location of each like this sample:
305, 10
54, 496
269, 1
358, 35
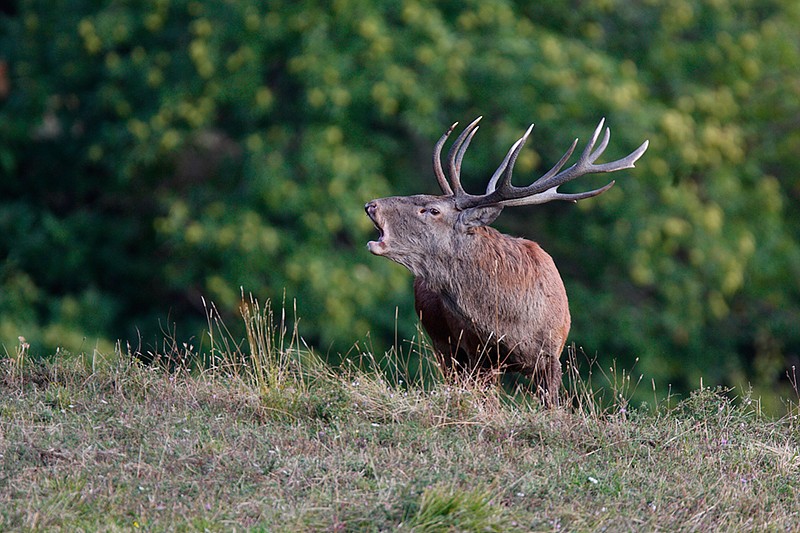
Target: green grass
264, 437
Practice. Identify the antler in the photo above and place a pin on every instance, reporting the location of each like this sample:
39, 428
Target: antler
454, 157
545, 189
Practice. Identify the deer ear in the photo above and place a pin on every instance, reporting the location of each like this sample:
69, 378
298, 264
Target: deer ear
479, 216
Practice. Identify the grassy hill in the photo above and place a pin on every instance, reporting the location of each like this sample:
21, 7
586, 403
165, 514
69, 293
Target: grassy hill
265, 437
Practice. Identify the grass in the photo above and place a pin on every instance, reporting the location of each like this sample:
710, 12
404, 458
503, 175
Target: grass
264, 437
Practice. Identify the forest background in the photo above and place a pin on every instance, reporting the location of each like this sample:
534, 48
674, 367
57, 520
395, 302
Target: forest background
157, 154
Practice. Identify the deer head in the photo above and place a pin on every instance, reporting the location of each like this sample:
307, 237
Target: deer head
423, 231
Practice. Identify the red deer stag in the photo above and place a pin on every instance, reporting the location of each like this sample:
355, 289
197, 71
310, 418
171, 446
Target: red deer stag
487, 300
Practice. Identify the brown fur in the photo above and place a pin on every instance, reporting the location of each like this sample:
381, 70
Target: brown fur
487, 300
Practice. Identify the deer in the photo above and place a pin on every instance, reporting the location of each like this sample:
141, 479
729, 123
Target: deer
489, 302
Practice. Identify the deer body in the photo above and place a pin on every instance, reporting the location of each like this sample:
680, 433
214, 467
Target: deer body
487, 300
510, 311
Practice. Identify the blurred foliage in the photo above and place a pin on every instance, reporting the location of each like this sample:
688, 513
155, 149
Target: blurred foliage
156, 152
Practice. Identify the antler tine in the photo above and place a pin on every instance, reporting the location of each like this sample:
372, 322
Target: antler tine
437, 161
626, 162
511, 159
455, 160
552, 194
463, 150
587, 152
558, 166
492, 185
603, 145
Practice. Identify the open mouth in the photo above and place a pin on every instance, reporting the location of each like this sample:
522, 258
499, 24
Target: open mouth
380, 232
376, 247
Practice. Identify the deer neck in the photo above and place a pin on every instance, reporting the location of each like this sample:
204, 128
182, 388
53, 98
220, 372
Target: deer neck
468, 268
